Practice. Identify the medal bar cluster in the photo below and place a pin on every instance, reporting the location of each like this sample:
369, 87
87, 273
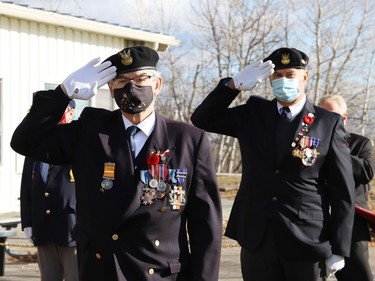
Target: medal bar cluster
305, 147
161, 181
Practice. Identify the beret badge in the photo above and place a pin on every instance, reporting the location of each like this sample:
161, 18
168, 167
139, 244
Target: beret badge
285, 59
126, 57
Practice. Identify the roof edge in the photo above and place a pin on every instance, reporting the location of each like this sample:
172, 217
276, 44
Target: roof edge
157, 41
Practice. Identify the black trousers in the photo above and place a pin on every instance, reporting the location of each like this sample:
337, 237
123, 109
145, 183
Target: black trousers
357, 267
266, 264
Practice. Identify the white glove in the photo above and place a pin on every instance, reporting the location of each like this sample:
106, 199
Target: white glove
84, 82
248, 78
334, 263
29, 233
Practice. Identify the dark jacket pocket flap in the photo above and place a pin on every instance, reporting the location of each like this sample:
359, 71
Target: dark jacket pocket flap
174, 266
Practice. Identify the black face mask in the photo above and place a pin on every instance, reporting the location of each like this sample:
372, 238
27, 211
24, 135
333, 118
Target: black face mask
133, 99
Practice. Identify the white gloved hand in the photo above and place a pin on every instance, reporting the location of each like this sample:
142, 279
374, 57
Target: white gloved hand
334, 263
84, 82
29, 233
248, 78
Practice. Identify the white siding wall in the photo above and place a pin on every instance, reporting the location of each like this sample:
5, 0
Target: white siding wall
32, 54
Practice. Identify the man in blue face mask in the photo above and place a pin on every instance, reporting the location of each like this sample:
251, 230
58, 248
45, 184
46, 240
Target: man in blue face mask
290, 76
293, 213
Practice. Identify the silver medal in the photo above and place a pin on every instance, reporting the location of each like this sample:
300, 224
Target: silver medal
107, 184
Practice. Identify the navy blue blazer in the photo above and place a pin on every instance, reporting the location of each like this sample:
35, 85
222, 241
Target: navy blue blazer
49, 208
150, 241
281, 194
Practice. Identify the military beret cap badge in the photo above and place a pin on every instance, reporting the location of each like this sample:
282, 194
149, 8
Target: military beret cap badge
288, 58
134, 59
126, 57
285, 59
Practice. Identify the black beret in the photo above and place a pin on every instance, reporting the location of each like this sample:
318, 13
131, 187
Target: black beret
288, 58
134, 59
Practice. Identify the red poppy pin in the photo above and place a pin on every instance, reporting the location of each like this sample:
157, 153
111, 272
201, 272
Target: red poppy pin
153, 159
308, 119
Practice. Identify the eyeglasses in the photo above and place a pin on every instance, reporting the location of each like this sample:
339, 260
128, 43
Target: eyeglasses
141, 80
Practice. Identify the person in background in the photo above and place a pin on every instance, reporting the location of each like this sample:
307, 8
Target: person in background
289, 150
357, 266
48, 214
147, 197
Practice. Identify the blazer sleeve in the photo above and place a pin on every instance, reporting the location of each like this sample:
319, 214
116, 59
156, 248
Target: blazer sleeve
342, 191
213, 114
363, 169
25, 195
37, 135
204, 221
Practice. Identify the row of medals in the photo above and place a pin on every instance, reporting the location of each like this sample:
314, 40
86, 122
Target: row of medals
155, 189
308, 155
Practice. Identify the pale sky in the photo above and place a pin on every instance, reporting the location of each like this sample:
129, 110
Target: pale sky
124, 12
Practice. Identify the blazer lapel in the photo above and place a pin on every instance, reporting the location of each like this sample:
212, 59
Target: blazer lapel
124, 193
269, 126
159, 137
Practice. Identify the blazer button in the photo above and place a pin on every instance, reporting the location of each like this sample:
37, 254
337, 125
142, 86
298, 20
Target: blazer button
48, 212
157, 243
98, 256
114, 237
277, 171
274, 198
151, 271
46, 194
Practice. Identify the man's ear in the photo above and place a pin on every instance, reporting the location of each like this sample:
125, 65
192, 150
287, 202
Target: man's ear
111, 89
305, 76
158, 84
345, 117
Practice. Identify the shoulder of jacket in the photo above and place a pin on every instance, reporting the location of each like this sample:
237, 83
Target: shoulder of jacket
96, 115
182, 127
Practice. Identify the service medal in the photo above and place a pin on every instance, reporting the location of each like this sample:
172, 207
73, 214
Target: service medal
153, 183
108, 175
177, 198
147, 198
309, 156
107, 184
161, 187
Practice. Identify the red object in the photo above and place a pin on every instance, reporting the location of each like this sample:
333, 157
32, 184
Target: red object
308, 119
153, 159
367, 215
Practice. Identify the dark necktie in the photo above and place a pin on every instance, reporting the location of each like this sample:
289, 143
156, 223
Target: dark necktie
284, 112
130, 133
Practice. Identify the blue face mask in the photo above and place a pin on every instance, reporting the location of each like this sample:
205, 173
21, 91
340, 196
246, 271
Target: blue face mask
286, 90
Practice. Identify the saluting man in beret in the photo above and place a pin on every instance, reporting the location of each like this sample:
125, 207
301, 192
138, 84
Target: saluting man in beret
147, 198
293, 213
